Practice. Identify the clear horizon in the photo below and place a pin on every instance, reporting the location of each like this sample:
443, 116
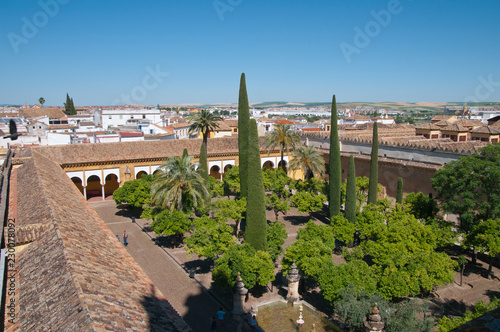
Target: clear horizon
124, 52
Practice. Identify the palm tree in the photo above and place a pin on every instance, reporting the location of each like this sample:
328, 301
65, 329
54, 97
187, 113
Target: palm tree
178, 184
204, 122
41, 101
284, 137
309, 160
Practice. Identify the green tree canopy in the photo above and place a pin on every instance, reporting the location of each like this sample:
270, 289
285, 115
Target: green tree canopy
171, 223
136, 193
256, 267
470, 187
307, 202
209, 239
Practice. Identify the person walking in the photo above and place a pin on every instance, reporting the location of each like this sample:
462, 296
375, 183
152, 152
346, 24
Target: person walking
254, 323
125, 238
213, 324
220, 317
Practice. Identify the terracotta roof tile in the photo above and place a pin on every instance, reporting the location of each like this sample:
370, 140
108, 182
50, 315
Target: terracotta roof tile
99, 285
36, 112
99, 152
486, 130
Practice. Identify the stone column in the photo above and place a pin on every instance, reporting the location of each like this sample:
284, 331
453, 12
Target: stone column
293, 283
374, 322
85, 192
239, 293
103, 193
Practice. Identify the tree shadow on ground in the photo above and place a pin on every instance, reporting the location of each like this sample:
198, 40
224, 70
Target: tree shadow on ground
169, 241
127, 211
492, 294
160, 313
200, 310
448, 307
200, 266
322, 215
297, 220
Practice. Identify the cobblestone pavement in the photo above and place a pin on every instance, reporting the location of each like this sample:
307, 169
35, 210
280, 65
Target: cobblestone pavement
192, 301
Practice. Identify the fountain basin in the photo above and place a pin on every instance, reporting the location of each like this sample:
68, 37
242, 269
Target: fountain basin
282, 317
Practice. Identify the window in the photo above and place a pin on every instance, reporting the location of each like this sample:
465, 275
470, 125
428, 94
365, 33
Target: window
462, 138
109, 117
131, 116
144, 116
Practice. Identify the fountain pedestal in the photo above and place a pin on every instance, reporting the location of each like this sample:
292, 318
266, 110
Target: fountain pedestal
293, 283
239, 294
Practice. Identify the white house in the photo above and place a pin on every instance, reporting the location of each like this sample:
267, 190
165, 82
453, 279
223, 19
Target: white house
113, 118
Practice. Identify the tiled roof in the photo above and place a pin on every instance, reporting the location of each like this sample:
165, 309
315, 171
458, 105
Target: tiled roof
486, 130
438, 118
52, 113
455, 127
100, 152
428, 126
441, 123
285, 121
403, 137
469, 123
76, 276
180, 125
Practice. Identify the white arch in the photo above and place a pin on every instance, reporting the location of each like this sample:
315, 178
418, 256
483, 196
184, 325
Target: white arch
76, 175
97, 173
109, 171
214, 163
154, 168
271, 159
227, 162
139, 169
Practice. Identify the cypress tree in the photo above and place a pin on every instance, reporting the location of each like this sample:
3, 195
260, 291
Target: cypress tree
399, 195
335, 174
372, 189
256, 221
203, 167
350, 199
67, 105
243, 125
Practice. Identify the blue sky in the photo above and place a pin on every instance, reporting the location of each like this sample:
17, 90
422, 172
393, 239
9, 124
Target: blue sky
193, 51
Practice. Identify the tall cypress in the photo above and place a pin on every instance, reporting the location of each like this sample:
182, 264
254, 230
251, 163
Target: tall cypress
399, 194
256, 222
372, 189
243, 123
335, 171
350, 199
203, 167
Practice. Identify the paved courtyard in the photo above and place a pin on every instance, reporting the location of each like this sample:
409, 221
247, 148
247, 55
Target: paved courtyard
192, 301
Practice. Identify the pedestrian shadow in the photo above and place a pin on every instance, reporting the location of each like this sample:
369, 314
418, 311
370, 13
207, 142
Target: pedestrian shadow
161, 315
